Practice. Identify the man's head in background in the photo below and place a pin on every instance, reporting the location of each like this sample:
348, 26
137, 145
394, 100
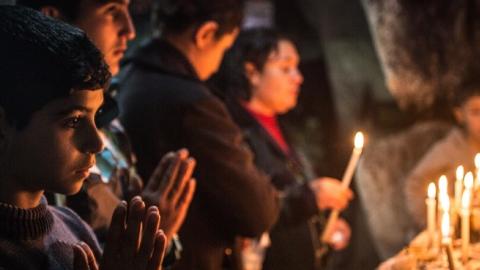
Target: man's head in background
107, 23
201, 29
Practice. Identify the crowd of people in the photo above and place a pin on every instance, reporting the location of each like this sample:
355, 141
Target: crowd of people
189, 138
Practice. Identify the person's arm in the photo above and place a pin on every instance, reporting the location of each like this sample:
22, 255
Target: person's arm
235, 190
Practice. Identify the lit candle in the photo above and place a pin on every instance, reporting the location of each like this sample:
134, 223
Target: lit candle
346, 180
465, 213
445, 203
443, 192
443, 184
468, 182
458, 187
446, 240
445, 228
477, 167
352, 164
431, 210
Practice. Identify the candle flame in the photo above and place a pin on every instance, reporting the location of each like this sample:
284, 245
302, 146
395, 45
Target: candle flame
442, 184
445, 224
468, 181
477, 161
460, 173
431, 190
359, 140
466, 199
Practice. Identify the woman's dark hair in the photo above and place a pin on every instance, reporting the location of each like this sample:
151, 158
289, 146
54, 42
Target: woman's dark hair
253, 46
43, 59
177, 16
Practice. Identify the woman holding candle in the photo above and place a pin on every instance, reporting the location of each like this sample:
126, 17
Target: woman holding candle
260, 80
458, 148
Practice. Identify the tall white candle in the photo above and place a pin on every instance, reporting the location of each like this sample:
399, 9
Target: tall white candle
444, 204
468, 181
458, 187
443, 185
445, 227
477, 170
346, 180
465, 233
352, 164
446, 240
431, 210
443, 192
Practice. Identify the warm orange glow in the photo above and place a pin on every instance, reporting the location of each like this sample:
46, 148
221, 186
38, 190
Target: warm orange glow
359, 140
431, 190
477, 161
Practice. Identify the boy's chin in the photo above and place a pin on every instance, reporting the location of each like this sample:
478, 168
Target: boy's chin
72, 189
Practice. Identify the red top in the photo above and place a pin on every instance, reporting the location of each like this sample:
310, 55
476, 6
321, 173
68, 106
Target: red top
270, 124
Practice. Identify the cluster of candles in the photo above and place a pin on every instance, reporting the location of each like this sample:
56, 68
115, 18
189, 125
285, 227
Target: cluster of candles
448, 214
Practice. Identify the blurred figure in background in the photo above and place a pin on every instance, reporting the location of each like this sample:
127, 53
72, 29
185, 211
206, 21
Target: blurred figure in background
259, 80
165, 105
457, 148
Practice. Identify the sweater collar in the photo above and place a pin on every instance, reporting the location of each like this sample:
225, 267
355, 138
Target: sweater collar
25, 224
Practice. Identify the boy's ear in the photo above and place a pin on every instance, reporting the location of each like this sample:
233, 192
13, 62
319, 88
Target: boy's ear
252, 73
459, 116
206, 34
52, 12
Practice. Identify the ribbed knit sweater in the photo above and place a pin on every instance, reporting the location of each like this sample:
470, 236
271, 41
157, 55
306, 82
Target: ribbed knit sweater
41, 237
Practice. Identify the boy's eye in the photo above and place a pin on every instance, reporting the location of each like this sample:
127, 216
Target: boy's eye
72, 122
113, 9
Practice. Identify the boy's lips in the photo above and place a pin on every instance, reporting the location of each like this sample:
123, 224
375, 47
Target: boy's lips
120, 51
85, 168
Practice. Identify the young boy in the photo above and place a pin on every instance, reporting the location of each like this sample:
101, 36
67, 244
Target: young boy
52, 86
458, 147
108, 24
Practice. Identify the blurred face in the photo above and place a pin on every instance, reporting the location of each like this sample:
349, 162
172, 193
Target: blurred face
109, 26
57, 148
469, 115
276, 87
211, 56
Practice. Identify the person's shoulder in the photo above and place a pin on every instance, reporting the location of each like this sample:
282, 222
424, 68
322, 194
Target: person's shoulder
161, 86
451, 142
72, 220
76, 226
68, 217
443, 153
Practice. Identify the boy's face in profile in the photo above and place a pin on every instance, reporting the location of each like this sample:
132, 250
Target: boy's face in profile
57, 147
109, 25
469, 115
